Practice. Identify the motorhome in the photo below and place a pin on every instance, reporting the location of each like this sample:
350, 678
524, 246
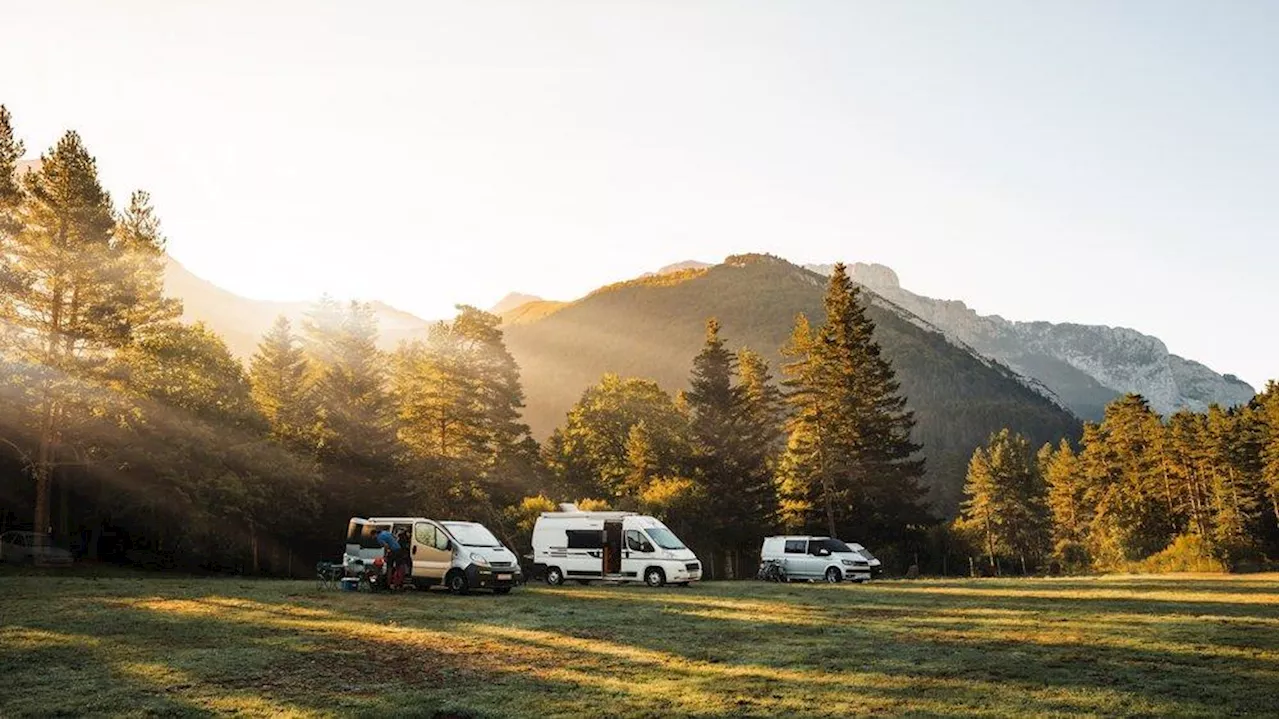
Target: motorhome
816, 559
459, 555
610, 546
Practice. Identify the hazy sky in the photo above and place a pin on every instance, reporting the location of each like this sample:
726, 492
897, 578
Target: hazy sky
1100, 162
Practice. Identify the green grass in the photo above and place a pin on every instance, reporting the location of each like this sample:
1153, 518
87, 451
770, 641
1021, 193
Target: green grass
1161, 646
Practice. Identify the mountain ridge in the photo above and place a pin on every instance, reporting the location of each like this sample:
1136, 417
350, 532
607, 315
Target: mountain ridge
1086, 365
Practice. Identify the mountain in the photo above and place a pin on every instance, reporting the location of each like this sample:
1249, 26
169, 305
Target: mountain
512, 301
1086, 365
242, 321
653, 326
678, 267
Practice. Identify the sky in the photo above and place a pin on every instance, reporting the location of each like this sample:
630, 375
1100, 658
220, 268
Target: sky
1099, 162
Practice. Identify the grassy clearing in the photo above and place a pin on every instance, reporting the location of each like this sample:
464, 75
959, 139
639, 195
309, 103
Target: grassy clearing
1115, 646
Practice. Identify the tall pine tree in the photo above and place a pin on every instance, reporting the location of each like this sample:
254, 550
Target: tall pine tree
851, 430
281, 384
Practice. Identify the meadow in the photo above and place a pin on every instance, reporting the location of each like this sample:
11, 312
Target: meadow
1155, 646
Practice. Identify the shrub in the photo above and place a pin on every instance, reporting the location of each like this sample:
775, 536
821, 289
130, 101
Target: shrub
1187, 553
1072, 557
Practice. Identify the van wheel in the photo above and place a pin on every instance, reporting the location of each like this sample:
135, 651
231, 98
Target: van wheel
554, 576
458, 583
655, 577
834, 575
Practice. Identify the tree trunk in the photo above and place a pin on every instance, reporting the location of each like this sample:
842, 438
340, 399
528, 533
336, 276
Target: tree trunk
253, 544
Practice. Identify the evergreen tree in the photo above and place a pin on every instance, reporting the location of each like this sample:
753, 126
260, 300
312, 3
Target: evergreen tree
759, 429
1186, 434
355, 417
281, 385
459, 399
73, 294
851, 429
1061, 473
1126, 489
714, 408
1266, 406
1006, 499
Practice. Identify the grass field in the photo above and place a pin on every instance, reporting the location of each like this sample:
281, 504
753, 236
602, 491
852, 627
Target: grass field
1112, 646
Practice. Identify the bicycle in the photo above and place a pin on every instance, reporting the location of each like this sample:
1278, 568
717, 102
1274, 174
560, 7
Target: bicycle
772, 571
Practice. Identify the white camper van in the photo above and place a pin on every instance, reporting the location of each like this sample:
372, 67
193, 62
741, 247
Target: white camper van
459, 555
816, 558
612, 546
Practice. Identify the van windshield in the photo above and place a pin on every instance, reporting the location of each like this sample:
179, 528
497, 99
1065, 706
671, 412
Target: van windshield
472, 535
663, 537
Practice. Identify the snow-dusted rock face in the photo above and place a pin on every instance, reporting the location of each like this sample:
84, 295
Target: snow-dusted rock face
1085, 365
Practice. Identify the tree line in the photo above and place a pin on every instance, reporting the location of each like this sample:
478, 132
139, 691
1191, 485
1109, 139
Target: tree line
122, 427
1193, 491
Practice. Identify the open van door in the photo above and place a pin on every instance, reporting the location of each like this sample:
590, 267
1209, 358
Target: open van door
613, 548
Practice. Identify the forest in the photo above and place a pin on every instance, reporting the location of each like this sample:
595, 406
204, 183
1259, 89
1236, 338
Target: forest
128, 433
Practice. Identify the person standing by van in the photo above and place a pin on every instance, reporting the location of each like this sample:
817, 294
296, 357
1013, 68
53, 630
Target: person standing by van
391, 549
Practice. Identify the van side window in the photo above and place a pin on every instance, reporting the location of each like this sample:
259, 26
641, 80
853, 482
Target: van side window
636, 542
424, 533
442, 539
815, 545
794, 546
584, 538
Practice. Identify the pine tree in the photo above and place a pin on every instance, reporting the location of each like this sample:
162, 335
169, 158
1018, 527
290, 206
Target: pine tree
759, 428
1266, 406
1061, 472
1186, 435
281, 387
355, 417
713, 407
1006, 499
851, 425
459, 399
74, 291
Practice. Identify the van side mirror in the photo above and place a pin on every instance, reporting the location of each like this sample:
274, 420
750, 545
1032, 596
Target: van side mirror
824, 552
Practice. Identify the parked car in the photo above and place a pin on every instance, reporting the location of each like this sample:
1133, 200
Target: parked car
32, 548
459, 555
871, 560
816, 559
611, 546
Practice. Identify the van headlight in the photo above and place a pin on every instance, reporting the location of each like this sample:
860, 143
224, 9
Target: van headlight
848, 562
479, 560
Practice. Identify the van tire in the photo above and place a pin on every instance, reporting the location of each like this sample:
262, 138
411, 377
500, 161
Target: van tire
457, 581
554, 577
834, 575
655, 577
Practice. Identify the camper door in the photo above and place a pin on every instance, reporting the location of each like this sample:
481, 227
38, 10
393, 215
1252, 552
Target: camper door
613, 547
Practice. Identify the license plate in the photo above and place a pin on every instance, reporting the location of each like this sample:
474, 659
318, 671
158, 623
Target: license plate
504, 576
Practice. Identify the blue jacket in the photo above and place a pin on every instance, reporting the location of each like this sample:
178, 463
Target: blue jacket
388, 540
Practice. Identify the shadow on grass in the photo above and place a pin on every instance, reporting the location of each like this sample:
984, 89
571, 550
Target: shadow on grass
734, 650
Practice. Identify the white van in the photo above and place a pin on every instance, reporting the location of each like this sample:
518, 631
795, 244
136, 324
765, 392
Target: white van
459, 555
816, 558
613, 546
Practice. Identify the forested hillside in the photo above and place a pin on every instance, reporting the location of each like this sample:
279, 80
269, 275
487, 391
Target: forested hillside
649, 327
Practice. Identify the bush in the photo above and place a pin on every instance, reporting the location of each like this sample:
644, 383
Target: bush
1187, 553
1072, 557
